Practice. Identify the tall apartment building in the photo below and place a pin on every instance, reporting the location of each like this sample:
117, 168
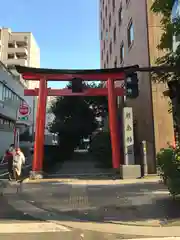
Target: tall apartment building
19, 48
129, 34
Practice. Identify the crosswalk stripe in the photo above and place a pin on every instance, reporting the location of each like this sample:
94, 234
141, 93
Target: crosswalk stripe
33, 227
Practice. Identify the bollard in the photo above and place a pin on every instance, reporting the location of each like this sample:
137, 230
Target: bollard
144, 164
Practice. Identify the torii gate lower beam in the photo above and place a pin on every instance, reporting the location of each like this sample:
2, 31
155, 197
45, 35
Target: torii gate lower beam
68, 92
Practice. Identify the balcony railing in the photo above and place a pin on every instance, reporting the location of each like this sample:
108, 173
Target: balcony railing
18, 38
18, 50
17, 61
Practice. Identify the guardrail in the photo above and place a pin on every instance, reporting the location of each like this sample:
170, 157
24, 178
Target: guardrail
2, 165
3, 174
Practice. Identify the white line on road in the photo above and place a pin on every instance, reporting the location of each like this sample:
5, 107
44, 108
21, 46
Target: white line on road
160, 192
33, 227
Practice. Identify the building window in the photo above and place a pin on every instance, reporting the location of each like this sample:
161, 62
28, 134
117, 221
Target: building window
127, 2
106, 10
113, 5
122, 53
1, 121
101, 55
115, 62
130, 34
106, 34
114, 34
103, 3
120, 15
11, 45
103, 24
109, 20
104, 65
107, 60
110, 48
10, 55
1, 91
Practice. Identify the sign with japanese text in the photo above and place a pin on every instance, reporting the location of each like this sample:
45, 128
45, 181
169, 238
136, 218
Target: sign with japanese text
128, 135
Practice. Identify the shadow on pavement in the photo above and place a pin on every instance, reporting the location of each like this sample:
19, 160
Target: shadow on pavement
129, 204
8, 213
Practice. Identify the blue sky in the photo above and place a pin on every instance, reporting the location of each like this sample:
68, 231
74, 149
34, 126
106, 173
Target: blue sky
67, 31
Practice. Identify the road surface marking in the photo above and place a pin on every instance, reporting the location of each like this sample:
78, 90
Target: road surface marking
160, 192
33, 227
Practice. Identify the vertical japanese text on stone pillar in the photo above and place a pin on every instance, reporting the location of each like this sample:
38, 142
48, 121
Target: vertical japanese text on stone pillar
128, 135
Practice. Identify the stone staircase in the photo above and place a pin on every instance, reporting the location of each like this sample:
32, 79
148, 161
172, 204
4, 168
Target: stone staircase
84, 168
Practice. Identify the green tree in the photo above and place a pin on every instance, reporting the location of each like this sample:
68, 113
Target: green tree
170, 58
75, 117
169, 29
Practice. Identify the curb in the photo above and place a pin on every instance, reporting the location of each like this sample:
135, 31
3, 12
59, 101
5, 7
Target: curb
94, 182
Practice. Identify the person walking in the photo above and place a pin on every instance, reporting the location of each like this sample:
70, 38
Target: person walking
18, 161
8, 157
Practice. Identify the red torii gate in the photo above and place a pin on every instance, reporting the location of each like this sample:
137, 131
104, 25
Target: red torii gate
45, 75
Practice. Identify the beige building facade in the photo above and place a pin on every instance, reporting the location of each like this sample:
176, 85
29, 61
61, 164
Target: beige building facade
19, 48
129, 34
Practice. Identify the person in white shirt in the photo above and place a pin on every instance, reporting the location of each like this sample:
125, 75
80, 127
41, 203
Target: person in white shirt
18, 161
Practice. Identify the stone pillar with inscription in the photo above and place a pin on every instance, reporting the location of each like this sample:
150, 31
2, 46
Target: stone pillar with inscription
128, 134
129, 169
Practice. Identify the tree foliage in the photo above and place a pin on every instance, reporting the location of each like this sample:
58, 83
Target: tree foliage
76, 117
163, 8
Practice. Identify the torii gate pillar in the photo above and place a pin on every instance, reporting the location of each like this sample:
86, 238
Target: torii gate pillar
113, 124
40, 126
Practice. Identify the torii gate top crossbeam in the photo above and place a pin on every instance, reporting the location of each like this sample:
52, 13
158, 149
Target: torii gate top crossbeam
67, 75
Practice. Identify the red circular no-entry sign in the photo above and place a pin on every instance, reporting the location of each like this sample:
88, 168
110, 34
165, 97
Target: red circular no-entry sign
24, 110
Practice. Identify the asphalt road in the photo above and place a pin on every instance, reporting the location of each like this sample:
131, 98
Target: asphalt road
18, 225
121, 203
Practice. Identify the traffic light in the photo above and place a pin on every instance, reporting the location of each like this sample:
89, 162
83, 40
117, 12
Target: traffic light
131, 85
77, 85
